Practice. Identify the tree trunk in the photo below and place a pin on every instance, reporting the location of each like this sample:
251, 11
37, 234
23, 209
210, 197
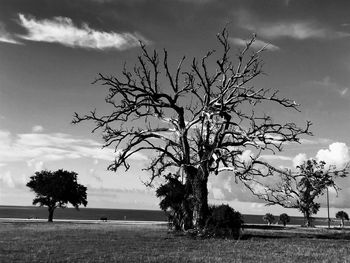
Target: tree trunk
200, 195
51, 210
308, 219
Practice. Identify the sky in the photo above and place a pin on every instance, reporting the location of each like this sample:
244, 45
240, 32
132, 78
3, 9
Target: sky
51, 52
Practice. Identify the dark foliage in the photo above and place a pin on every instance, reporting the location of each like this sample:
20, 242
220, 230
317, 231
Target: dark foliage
284, 218
269, 218
175, 202
342, 215
224, 221
57, 189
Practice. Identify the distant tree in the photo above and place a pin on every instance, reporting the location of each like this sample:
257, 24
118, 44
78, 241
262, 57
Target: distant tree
57, 189
284, 218
342, 215
269, 218
198, 119
300, 190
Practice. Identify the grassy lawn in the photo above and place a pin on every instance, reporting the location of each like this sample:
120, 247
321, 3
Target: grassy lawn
109, 242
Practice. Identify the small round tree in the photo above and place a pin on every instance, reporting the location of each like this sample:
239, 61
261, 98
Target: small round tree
269, 218
57, 189
284, 219
342, 215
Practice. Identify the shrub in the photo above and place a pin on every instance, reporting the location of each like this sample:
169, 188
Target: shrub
224, 221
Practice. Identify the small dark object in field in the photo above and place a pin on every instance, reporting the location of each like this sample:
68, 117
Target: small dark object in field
103, 218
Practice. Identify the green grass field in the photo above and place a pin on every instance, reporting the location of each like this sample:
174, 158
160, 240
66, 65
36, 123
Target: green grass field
110, 242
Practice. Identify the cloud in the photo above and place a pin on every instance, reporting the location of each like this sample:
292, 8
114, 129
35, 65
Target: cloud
257, 44
299, 159
218, 194
63, 31
296, 30
6, 36
299, 30
37, 128
7, 179
329, 85
337, 154
41, 147
37, 165
271, 157
316, 141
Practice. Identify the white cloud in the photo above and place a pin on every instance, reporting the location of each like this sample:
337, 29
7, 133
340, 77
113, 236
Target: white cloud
40, 147
37, 128
63, 31
37, 165
316, 141
329, 85
257, 44
6, 36
299, 159
337, 154
270, 157
299, 30
6, 178
296, 30
218, 194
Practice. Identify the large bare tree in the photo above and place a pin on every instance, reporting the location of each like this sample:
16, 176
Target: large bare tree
196, 120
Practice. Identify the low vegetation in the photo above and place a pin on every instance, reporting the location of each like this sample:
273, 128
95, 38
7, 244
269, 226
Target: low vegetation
224, 221
109, 242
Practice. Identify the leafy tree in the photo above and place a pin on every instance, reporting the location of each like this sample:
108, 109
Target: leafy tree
269, 218
284, 218
300, 190
342, 215
175, 202
197, 121
57, 189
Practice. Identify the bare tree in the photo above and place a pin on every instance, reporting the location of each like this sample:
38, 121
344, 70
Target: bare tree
196, 121
301, 189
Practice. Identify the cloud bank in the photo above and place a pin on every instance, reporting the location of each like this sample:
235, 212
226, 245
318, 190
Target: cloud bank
63, 31
43, 147
295, 29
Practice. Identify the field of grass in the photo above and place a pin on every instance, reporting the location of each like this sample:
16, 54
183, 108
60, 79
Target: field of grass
110, 242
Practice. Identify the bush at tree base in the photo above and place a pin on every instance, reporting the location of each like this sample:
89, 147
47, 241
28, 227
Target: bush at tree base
223, 221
